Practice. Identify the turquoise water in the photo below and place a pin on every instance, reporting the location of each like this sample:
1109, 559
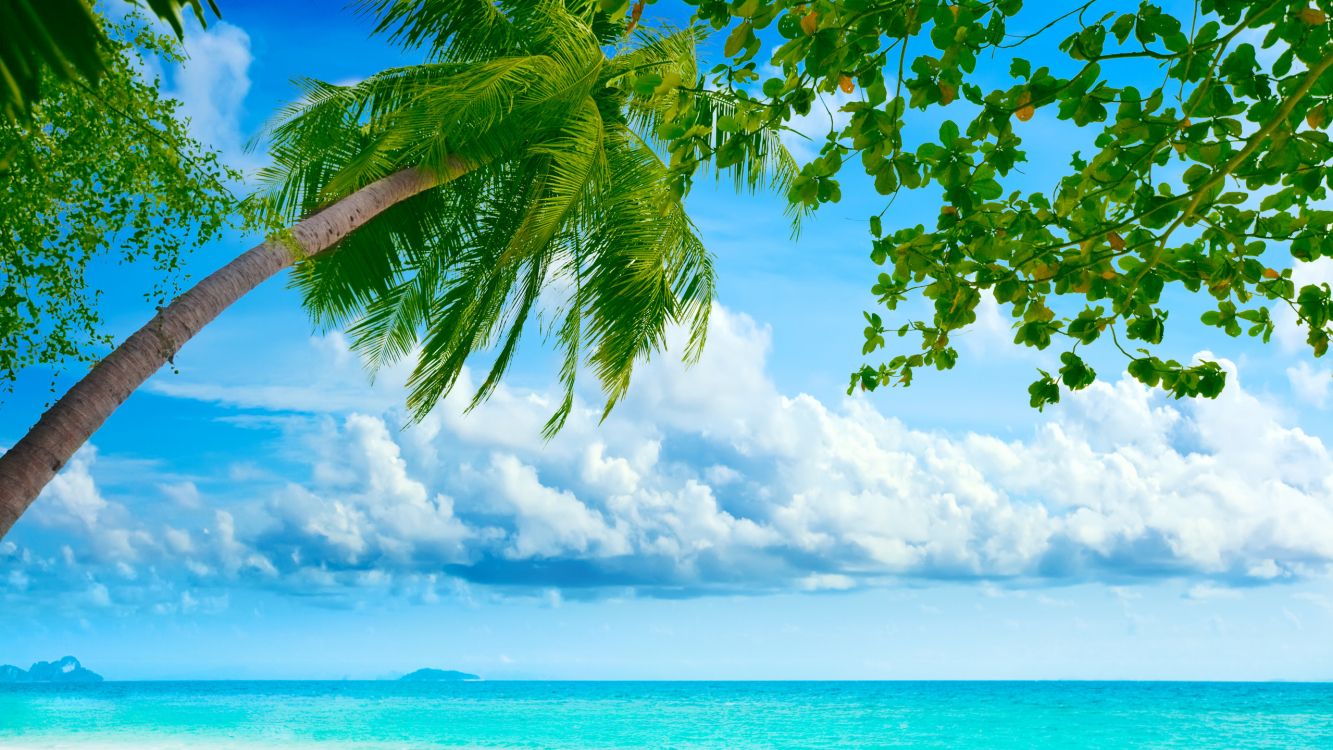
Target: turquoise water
568, 715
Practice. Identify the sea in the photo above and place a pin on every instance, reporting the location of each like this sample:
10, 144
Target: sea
586, 715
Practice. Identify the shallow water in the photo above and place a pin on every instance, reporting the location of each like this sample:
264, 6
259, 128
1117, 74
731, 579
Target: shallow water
560, 715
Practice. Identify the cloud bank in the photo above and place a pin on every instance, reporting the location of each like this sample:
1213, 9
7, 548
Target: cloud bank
707, 480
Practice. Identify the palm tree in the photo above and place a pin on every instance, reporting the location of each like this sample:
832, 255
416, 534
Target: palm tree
64, 38
517, 169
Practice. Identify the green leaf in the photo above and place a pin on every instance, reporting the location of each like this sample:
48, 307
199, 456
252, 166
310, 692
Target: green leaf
739, 38
1043, 392
1075, 373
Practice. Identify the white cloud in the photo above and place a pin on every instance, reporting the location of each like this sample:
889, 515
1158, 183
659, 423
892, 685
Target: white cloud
711, 479
185, 494
362, 507
1310, 384
1210, 591
212, 85
548, 522
97, 595
825, 582
72, 496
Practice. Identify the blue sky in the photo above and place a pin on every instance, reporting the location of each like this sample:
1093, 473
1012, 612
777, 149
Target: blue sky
262, 513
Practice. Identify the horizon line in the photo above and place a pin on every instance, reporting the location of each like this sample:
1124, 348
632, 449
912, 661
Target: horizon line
904, 680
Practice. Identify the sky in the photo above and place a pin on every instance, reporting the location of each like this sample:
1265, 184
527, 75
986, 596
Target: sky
263, 511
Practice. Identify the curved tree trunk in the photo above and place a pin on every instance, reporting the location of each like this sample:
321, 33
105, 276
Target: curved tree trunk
27, 467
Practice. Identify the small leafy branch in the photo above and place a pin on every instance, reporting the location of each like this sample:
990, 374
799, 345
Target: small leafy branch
1209, 163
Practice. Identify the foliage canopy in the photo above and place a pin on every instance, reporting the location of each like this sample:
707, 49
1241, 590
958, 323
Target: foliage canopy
102, 169
1202, 167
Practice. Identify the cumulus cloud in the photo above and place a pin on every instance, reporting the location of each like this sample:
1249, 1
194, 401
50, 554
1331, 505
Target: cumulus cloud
712, 480
1310, 384
212, 84
72, 496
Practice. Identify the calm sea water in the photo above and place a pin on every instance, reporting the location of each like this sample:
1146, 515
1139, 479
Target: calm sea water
346, 715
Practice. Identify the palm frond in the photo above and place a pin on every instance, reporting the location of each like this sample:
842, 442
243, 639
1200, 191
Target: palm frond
577, 171
419, 236
568, 206
450, 30
478, 30
339, 138
569, 339
648, 269
749, 152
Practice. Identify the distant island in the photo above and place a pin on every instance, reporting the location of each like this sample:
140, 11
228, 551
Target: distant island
438, 675
67, 669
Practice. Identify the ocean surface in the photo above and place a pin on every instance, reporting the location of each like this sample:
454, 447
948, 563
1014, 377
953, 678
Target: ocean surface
346, 715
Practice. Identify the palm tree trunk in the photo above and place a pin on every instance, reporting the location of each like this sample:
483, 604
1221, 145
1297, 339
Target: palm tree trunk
27, 467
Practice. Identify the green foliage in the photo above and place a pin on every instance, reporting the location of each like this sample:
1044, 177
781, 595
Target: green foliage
541, 117
62, 39
103, 170
1205, 165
